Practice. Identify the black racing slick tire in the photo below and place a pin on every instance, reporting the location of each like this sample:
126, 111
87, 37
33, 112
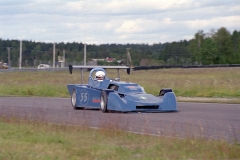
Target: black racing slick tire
74, 100
103, 101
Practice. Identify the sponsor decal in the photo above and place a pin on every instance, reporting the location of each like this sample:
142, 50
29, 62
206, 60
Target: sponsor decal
132, 87
95, 100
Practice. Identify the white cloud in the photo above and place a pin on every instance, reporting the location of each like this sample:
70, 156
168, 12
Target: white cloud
115, 21
229, 22
133, 26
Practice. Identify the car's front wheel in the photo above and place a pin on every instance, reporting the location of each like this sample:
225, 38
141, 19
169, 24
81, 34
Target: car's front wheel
103, 101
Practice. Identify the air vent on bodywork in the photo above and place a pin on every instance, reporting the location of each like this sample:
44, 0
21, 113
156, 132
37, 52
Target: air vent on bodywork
147, 107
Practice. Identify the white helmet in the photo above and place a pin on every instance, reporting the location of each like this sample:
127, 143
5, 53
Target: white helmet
100, 75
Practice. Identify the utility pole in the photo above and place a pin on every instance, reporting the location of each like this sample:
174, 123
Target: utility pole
20, 55
85, 50
63, 64
54, 55
129, 60
9, 61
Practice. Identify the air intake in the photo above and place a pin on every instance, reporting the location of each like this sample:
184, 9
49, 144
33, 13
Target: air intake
147, 107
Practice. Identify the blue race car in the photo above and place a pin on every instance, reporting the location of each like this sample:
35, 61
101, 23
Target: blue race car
115, 95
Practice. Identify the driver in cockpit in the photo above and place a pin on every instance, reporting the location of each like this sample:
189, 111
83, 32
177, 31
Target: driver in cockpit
100, 75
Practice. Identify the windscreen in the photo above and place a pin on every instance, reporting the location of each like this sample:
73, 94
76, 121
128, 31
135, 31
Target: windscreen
130, 88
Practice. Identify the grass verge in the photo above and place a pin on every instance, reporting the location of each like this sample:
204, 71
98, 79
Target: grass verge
211, 83
198, 82
21, 139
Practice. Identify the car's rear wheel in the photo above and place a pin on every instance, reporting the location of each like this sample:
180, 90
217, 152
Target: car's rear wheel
103, 101
74, 99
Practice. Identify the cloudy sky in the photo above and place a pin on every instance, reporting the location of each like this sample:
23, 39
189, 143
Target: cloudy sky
115, 21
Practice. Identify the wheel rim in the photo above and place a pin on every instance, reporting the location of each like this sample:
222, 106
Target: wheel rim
74, 98
102, 103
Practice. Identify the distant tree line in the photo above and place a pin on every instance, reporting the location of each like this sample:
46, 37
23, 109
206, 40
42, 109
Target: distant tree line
213, 47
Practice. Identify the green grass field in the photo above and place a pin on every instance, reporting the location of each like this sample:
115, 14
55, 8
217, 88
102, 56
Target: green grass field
21, 139
200, 82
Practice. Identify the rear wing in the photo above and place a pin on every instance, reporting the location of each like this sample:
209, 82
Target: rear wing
71, 67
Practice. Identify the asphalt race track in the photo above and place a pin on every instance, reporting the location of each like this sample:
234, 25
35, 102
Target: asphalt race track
204, 120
